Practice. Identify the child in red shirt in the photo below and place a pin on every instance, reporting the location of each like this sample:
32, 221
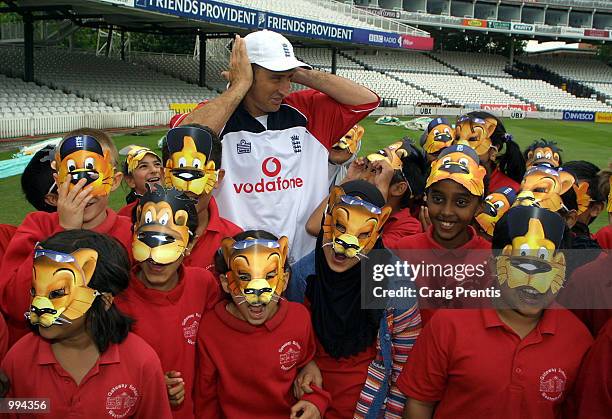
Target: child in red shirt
141, 167
163, 294
454, 194
594, 386
85, 161
192, 156
503, 362
251, 347
486, 134
81, 356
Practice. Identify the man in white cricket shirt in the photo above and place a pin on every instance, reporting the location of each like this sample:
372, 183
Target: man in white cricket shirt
276, 143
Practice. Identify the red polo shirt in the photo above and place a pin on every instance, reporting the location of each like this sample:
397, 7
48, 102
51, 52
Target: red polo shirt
424, 248
126, 211
588, 293
475, 366
6, 234
248, 371
399, 225
499, 180
218, 228
594, 386
16, 278
604, 237
126, 381
169, 320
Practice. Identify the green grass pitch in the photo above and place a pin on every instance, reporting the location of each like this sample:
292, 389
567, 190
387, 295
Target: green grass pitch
579, 141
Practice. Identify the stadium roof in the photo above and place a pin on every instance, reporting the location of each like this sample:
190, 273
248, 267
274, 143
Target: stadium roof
148, 16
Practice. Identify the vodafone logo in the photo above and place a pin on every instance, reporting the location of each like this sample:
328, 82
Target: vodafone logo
271, 162
271, 169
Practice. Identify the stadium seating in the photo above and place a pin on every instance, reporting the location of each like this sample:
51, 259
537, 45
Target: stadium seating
414, 62
475, 64
388, 87
545, 95
117, 83
580, 68
19, 99
459, 90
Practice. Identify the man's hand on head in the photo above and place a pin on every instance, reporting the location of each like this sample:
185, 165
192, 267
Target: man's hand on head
240, 73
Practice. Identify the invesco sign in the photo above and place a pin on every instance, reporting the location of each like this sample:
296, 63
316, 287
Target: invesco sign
578, 116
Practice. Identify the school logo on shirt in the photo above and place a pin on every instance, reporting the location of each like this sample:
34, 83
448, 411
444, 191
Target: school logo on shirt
190, 327
289, 355
552, 384
121, 399
243, 147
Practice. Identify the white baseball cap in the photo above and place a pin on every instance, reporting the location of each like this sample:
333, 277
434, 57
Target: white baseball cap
272, 50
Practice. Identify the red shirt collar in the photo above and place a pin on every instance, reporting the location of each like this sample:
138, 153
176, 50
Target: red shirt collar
547, 323
156, 296
242, 326
46, 356
214, 220
471, 244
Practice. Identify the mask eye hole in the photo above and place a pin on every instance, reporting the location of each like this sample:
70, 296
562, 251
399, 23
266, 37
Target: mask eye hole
71, 165
197, 163
436, 132
543, 253
340, 228
32, 292
182, 162
446, 160
57, 293
548, 155
89, 163
271, 275
244, 276
163, 220
464, 162
148, 217
538, 155
363, 236
447, 130
498, 204
524, 249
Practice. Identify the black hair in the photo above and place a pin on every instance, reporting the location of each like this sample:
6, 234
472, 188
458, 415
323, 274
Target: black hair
512, 162
178, 200
37, 179
586, 171
414, 170
221, 267
215, 152
112, 275
543, 143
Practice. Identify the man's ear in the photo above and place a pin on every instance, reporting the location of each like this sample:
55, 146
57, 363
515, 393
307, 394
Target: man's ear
117, 178
220, 176
492, 153
51, 199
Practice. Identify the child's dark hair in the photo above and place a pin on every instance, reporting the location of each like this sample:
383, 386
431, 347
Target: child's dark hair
414, 170
221, 267
37, 179
512, 162
543, 143
585, 171
215, 152
112, 275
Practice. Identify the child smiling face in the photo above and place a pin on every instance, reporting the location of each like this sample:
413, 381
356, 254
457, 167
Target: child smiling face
451, 209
